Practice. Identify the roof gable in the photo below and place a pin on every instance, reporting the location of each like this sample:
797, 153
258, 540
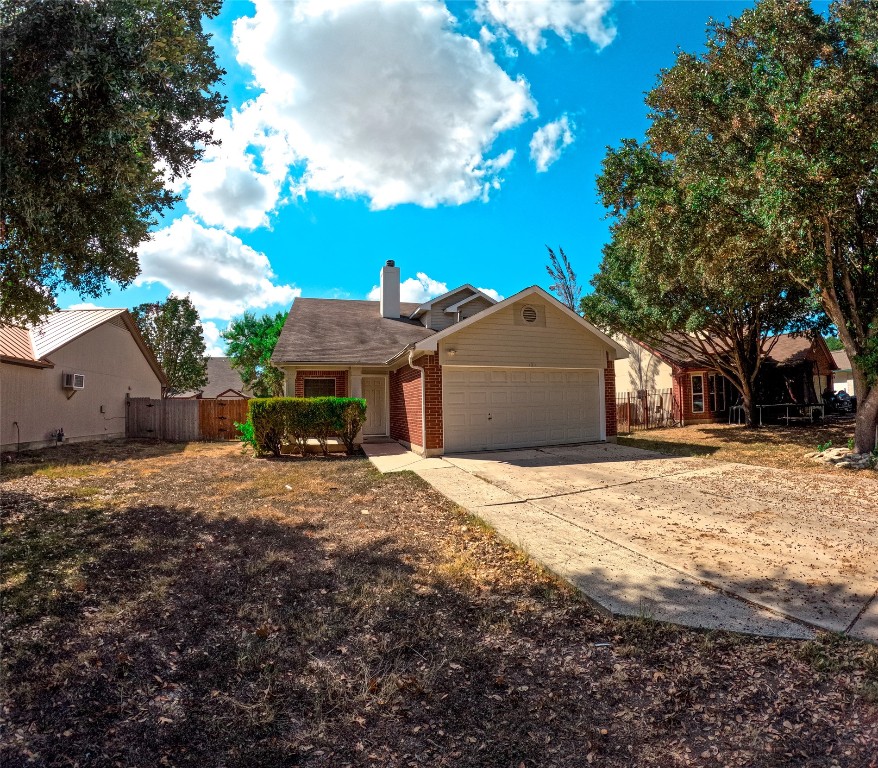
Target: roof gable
472, 294
431, 344
62, 327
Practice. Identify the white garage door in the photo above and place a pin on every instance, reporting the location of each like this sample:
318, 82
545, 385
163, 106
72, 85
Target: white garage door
487, 408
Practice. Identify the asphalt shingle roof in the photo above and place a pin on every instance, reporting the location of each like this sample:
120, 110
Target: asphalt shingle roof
345, 331
221, 377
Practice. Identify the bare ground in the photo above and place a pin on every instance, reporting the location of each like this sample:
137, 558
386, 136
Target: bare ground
191, 605
779, 446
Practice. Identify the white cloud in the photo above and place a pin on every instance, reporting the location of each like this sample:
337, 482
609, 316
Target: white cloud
529, 19
549, 141
238, 182
492, 293
381, 100
422, 288
215, 345
84, 305
414, 289
222, 275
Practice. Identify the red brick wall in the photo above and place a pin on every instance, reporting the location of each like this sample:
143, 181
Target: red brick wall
433, 400
610, 395
405, 405
341, 381
683, 392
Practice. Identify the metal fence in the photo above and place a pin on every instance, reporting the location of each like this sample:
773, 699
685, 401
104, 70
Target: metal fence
647, 409
178, 420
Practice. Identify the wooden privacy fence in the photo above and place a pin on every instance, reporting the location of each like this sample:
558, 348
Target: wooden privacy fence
183, 420
646, 409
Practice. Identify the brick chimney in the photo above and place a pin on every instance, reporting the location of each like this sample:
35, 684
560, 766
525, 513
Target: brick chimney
390, 290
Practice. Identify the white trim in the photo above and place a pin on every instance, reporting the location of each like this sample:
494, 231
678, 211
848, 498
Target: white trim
431, 344
692, 394
466, 286
602, 399
478, 295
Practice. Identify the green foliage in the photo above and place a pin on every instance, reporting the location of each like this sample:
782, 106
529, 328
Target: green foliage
834, 343
246, 434
565, 284
759, 163
771, 138
824, 446
96, 98
275, 421
250, 342
172, 330
850, 443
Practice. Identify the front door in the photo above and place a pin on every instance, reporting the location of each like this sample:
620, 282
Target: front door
375, 392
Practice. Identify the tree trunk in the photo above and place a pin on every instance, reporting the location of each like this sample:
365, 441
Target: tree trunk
867, 416
747, 402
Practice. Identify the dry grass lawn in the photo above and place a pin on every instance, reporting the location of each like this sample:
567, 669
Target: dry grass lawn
193, 606
782, 447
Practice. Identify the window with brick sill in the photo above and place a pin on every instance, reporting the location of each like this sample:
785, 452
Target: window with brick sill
319, 388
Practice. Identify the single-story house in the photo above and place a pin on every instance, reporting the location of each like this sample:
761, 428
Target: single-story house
460, 372
797, 370
844, 376
223, 383
72, 374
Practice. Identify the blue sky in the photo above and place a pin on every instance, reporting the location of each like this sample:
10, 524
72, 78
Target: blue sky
457, 139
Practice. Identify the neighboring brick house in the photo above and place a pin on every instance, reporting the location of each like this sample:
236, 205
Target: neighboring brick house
796, 370
460, 372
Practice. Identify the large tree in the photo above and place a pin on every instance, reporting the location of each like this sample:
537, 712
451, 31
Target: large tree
103, 101
173, 331
680, 274
778, 120
250, 340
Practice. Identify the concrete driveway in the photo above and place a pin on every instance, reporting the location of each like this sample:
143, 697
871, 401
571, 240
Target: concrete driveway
694, 541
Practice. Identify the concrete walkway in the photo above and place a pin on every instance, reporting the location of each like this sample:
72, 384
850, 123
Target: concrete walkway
696, 542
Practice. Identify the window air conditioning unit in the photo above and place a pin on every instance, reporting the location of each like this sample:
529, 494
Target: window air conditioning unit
74, 381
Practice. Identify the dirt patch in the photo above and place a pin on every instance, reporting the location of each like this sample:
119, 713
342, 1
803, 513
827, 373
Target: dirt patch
781, 447
195, 606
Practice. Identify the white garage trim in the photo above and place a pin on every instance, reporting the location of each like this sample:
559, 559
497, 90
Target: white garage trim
497, 408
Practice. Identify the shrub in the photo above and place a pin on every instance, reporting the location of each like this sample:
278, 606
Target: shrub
272, 421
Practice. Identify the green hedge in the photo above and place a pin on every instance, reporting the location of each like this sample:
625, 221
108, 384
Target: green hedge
275, 421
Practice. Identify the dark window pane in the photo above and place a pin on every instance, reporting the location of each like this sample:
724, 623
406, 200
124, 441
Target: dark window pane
319, 387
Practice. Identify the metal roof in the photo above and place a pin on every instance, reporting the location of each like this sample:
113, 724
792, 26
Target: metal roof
63, 327
15, 343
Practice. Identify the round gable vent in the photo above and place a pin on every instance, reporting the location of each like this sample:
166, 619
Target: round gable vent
529, 314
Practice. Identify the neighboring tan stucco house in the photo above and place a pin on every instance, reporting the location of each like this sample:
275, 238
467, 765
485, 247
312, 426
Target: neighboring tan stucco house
73, 372
797, 369
460, 372
844, 376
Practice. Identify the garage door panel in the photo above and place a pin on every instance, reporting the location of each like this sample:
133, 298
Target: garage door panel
526, 407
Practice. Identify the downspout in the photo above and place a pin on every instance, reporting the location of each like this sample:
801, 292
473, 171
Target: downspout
423, 401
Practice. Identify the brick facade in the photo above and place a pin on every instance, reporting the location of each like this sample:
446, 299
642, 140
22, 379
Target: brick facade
405, 405
683, 394
610, 396
341, 381
433, 401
